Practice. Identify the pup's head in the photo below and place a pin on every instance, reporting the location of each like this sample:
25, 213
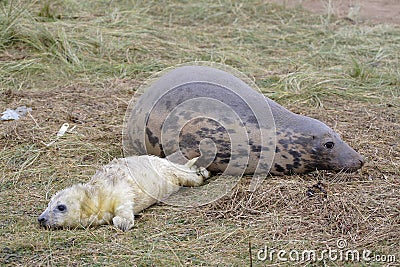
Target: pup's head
64, 209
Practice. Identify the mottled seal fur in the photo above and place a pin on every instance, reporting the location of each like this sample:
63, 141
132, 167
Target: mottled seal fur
119, 190
196, 111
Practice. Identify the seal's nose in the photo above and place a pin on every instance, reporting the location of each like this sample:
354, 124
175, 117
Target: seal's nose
362, 161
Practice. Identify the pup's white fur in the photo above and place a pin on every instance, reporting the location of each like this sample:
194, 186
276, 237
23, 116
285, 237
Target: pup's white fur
119, 190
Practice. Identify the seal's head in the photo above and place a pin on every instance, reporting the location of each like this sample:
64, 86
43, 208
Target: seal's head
64, 209
309, 145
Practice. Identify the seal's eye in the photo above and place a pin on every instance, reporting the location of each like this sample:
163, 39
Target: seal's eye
61, 207
329, 145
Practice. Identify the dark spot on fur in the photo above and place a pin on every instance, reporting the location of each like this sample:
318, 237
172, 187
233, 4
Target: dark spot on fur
284, 143
255, 148
222, 142
224, 160
188, 141
152, 139
224, 155
295, 153
303, 141
279, 168
296, 164
168, 104
162, 155
221, 129
277, 150
289, 168
252, 120
296, 158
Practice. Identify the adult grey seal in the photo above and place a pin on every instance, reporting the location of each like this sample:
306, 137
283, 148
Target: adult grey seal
194, 111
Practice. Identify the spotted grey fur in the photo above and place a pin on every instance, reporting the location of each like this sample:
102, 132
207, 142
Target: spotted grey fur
230, 136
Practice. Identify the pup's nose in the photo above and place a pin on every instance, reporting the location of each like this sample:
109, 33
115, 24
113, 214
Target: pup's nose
42, 220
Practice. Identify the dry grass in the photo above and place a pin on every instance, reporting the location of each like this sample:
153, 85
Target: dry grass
80, 62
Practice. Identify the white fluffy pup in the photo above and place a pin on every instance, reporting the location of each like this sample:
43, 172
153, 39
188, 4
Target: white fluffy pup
119, 190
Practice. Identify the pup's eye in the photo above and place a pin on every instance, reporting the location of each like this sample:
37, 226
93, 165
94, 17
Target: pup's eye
62, 207
329, 145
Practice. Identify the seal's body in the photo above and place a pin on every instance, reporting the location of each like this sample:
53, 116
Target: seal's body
119, 190
197, 111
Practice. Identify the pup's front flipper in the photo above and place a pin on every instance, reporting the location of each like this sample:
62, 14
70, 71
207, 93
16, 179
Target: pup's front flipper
203, 172
122, 223
124, 218
195, 175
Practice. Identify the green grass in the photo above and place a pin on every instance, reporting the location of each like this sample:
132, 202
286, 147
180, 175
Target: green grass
81, 61
76, 41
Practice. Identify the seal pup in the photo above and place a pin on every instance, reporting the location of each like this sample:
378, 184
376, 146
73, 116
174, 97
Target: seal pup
118, 191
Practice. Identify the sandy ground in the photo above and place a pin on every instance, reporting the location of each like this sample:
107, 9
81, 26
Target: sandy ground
381, 11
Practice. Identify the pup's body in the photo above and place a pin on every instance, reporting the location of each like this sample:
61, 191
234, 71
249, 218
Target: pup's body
119, 190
